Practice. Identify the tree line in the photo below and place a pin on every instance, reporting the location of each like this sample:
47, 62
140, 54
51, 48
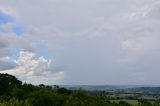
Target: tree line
15, 93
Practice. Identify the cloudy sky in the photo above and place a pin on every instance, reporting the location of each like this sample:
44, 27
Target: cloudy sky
81, 41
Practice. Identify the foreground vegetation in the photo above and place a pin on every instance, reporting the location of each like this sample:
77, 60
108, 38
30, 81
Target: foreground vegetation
14, 93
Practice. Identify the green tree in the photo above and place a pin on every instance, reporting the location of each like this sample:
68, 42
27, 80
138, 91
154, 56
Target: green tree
8, 82
45, 97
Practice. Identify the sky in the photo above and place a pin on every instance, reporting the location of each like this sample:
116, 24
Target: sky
81, 42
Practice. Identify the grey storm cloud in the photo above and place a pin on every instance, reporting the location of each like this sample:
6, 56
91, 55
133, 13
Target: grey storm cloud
114, 41
6, 64
9, 41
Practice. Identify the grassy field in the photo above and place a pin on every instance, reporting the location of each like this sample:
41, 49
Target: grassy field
132, 102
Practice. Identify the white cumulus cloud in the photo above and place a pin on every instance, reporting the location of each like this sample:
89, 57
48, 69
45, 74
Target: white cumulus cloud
34, 69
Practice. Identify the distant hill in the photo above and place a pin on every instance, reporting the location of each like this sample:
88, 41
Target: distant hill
114, 88
99, 87
146, 90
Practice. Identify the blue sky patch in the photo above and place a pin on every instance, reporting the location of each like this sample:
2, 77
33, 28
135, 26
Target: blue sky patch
5, 18
43, 51
15, 52
19, 30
